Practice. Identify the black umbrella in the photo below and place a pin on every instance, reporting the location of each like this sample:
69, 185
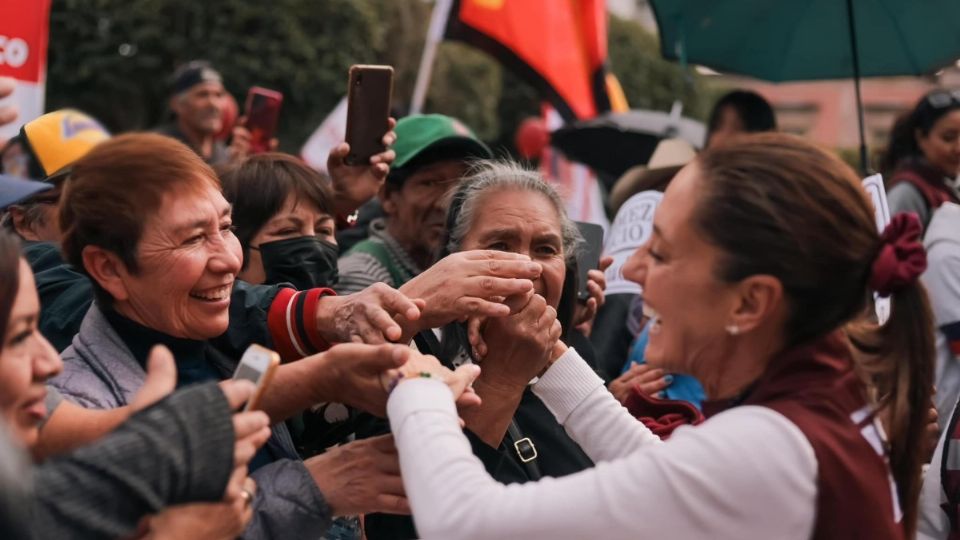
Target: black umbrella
614, 142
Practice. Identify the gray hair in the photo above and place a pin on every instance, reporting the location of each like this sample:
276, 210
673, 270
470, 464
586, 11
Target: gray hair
487, 176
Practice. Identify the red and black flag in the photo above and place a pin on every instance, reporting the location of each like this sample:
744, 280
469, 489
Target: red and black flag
559, 46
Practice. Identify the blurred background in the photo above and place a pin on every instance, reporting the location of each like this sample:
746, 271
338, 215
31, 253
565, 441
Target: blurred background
111, 59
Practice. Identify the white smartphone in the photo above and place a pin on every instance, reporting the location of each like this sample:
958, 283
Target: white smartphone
257, 366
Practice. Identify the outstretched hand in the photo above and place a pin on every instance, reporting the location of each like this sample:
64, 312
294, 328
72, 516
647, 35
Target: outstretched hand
469, 284
353, 185
369, 316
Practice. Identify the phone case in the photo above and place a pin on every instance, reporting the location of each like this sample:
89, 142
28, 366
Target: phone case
263, 113
368, 111
246, 367
588, 257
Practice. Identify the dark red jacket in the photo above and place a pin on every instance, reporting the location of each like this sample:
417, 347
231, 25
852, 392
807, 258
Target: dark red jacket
814, 387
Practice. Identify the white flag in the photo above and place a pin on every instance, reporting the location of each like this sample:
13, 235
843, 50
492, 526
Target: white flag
331, 132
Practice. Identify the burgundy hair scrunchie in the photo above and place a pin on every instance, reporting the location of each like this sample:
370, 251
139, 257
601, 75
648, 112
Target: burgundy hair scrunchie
901, 258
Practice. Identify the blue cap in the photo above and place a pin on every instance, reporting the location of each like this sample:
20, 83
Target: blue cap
14, 189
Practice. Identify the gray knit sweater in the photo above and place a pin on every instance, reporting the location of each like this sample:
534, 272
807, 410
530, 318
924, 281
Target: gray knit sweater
177, 451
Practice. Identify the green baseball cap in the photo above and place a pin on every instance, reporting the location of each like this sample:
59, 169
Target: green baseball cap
418, 133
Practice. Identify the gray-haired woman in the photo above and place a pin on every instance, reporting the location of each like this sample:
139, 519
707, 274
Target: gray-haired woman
501, 206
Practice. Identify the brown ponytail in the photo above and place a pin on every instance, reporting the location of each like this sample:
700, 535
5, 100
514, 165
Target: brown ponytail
780, 206
898, 359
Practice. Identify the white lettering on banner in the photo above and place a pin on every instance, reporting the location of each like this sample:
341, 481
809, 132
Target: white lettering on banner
14, 52
631, 228
881, 213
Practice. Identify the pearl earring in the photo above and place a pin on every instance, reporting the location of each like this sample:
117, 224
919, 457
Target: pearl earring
733, 329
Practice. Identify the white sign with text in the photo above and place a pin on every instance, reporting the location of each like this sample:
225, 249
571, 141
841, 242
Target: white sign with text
631, 228
881, 212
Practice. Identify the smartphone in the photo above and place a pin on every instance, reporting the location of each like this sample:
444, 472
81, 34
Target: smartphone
588, 258
263, 113
257, 366
369, 95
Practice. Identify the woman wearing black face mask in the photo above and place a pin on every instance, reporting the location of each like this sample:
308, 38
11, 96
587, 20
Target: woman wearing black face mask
283, 218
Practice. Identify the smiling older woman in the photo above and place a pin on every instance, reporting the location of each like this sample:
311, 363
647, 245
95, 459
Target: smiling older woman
79, 494
500, 206
143, 216
764, 253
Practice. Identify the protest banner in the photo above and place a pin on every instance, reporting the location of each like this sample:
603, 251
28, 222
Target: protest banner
631, 229
881, 213
24, 28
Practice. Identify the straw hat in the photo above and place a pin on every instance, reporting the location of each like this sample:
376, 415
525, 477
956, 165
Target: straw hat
668, 158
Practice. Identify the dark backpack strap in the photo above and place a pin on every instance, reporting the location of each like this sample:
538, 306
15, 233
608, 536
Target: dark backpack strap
522, 447
525, 450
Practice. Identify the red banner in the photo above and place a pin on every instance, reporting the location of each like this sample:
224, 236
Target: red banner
24, 26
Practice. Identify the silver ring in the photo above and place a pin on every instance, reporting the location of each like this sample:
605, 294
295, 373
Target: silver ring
246, 495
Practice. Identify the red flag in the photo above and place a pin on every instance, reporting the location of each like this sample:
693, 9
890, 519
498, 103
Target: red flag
560, 46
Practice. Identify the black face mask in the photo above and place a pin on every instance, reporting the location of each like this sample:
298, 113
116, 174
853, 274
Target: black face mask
305, 262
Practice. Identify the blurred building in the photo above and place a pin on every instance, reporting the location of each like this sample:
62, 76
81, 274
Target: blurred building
824, 111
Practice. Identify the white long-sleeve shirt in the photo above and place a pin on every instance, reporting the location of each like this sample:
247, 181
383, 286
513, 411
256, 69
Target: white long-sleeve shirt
746, 473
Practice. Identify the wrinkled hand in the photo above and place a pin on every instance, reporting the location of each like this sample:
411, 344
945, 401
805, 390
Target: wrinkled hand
350, 373
367, 316
520, 346
646, 379
469, 283
475, 325
596, 285
360, 477
353, 185
160, 381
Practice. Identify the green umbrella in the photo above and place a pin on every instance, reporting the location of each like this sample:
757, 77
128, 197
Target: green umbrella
795, 40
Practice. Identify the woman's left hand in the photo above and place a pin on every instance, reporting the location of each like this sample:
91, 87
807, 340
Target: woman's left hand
353, 185
596, 285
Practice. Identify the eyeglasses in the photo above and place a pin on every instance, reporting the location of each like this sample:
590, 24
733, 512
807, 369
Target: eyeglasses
944, 98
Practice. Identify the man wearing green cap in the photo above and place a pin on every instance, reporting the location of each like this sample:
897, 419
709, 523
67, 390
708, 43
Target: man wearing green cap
432, 154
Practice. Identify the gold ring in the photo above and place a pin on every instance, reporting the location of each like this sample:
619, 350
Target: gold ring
246, 495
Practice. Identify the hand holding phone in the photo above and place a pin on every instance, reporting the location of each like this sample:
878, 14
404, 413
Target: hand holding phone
588, 258
368, 111
258, 366
263, 114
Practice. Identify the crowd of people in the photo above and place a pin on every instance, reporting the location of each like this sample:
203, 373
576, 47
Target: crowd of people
441, 377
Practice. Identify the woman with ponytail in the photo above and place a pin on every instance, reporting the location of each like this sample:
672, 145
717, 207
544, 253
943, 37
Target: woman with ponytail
758, 278
923, 158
